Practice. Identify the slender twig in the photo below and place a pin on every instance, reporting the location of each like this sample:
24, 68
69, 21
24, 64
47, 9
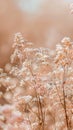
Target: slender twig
65, 109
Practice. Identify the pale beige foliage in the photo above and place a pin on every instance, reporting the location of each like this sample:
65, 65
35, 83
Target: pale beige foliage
37, 87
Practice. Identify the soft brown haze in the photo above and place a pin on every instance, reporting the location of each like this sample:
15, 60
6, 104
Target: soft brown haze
45, 27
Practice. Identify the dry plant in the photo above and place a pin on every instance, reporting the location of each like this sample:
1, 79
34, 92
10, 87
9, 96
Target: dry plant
36, 87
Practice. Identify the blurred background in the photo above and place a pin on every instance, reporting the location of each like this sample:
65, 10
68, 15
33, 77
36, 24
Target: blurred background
43, 22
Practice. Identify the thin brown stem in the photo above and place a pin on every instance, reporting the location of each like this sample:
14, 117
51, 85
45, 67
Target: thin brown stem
64, 98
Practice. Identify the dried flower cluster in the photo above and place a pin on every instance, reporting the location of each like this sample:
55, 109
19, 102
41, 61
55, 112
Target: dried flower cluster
36, 87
